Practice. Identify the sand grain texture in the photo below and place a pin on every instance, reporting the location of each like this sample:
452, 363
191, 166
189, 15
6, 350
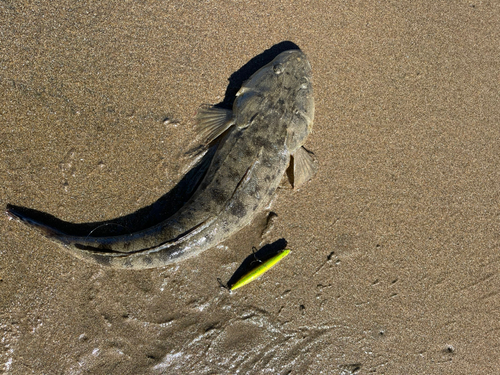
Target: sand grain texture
395, 263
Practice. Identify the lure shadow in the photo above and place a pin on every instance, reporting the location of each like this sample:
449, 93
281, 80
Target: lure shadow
172, 201
253, 260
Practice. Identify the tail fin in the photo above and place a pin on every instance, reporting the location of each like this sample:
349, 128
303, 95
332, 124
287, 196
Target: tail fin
15, 214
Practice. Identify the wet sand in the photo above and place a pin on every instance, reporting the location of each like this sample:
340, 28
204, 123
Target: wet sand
395, 243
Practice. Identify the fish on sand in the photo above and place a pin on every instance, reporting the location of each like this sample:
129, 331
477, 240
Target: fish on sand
258, 140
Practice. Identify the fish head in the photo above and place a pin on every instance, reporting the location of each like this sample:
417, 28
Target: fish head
284, 85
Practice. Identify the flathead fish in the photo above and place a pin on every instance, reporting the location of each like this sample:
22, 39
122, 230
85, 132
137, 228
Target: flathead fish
258, 140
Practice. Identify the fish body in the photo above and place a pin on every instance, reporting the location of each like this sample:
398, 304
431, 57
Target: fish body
271, 118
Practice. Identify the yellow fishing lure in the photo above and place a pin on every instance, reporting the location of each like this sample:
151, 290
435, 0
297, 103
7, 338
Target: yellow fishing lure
258, 271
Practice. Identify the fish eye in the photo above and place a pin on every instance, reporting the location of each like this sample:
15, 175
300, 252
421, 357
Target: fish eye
278, 68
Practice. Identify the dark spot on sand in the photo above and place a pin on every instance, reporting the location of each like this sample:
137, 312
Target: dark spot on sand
449, 349
351, 368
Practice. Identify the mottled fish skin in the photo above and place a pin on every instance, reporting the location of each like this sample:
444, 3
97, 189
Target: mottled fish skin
271, 119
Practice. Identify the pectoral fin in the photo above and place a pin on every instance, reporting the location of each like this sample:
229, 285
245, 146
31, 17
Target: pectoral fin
303, 167
213, 121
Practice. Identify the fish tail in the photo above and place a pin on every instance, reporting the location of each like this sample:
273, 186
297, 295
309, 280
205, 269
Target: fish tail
46, 230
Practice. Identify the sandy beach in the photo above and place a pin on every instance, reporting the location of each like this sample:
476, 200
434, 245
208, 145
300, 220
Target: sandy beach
395, 262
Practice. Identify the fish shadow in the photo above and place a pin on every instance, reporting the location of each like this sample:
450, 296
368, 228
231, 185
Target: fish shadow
253, 260
145, 217
172, 201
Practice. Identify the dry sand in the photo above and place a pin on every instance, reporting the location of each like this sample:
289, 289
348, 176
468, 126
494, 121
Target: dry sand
396, 241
